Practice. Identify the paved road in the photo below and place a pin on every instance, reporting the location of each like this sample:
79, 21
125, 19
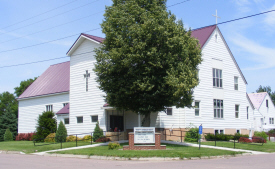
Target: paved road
11, 161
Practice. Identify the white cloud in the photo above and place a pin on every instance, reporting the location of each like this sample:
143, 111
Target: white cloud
243, 5
262, 56
270, 17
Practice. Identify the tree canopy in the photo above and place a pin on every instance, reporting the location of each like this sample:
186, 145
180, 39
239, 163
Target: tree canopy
23, 86
8, 100
268, 90
148, 60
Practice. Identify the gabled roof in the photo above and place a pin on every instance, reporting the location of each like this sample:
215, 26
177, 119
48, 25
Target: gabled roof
56, 79
257, 99
202, 34
64, 110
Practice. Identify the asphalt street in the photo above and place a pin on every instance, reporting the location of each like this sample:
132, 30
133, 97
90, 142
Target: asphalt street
12, 161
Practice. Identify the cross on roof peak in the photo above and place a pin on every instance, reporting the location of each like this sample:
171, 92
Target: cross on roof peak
216, 17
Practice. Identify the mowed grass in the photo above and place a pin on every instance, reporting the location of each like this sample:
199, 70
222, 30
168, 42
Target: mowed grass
171, 151
28, 146
266, 147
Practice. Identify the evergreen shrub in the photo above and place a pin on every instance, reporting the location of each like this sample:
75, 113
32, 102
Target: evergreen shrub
114, 145
8, 135
192, 135
98, 132
219, 137
50, 138
237, 136
8, 120
46, 124
87, 138
261, 134
61, 133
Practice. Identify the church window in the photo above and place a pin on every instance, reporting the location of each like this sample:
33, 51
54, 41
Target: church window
217, 131
218, 108
169, 111
236, 85
237, 111
238, 131
94, 118
247, 115
217, 78
271, 120
49, 107
197, 108
266, 103
64, 104
79, 119
66, 121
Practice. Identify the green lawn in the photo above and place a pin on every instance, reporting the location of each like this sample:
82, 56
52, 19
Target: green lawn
267, 147
172, 151
28, 147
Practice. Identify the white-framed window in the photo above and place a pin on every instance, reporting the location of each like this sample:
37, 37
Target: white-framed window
266, 103
219, 131
237, 107
238, 131
49, 107
197, 108
94, 118
169, 111
247, 114
218, 108
236, 83
64, 104
66, 121
271, 120
79, 119
217, 78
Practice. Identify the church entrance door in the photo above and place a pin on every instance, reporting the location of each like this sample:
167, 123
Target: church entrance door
116, 123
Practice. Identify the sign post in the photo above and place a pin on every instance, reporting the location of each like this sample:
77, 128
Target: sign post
200, 133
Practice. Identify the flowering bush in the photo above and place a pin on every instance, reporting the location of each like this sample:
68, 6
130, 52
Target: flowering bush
24, 136
87, 138
258, 140
244, 140
103, 139
50, 138
73, 138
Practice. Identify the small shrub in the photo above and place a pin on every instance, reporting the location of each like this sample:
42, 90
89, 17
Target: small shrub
237, 136
50, 138
112, 146
103, 139
258, 140
271, 131
261, 134
25, 137
70, 138
218, 137
8, 135
87, 138
244, 140
192, 135
61, 133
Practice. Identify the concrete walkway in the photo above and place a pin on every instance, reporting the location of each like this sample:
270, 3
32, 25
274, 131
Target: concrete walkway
79, 147
214, 147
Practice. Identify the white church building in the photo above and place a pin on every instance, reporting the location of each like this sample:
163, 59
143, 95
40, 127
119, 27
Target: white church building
69, 89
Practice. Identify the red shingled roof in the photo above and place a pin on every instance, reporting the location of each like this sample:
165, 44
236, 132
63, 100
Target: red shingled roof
203, 34
56, 79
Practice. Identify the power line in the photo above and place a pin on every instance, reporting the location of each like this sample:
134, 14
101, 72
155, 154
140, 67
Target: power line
49, 17
46, 42
43, 60
178, 3
51, 27
39, 14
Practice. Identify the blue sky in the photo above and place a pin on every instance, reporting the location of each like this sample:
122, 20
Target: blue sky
252, 40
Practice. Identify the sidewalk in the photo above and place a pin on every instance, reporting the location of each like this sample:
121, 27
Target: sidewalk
79, 147
220, 148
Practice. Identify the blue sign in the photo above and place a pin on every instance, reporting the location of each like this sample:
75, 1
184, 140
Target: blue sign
200, 129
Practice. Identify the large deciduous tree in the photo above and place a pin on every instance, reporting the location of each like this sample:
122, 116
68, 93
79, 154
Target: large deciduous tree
23, 86
8, 100
268, 90
148, 61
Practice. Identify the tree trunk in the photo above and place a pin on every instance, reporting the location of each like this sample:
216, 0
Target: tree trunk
146, 120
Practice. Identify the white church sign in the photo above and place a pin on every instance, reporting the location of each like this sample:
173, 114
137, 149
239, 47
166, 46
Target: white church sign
144, 135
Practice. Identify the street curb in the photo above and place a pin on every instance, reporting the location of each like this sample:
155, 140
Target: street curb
142, 158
